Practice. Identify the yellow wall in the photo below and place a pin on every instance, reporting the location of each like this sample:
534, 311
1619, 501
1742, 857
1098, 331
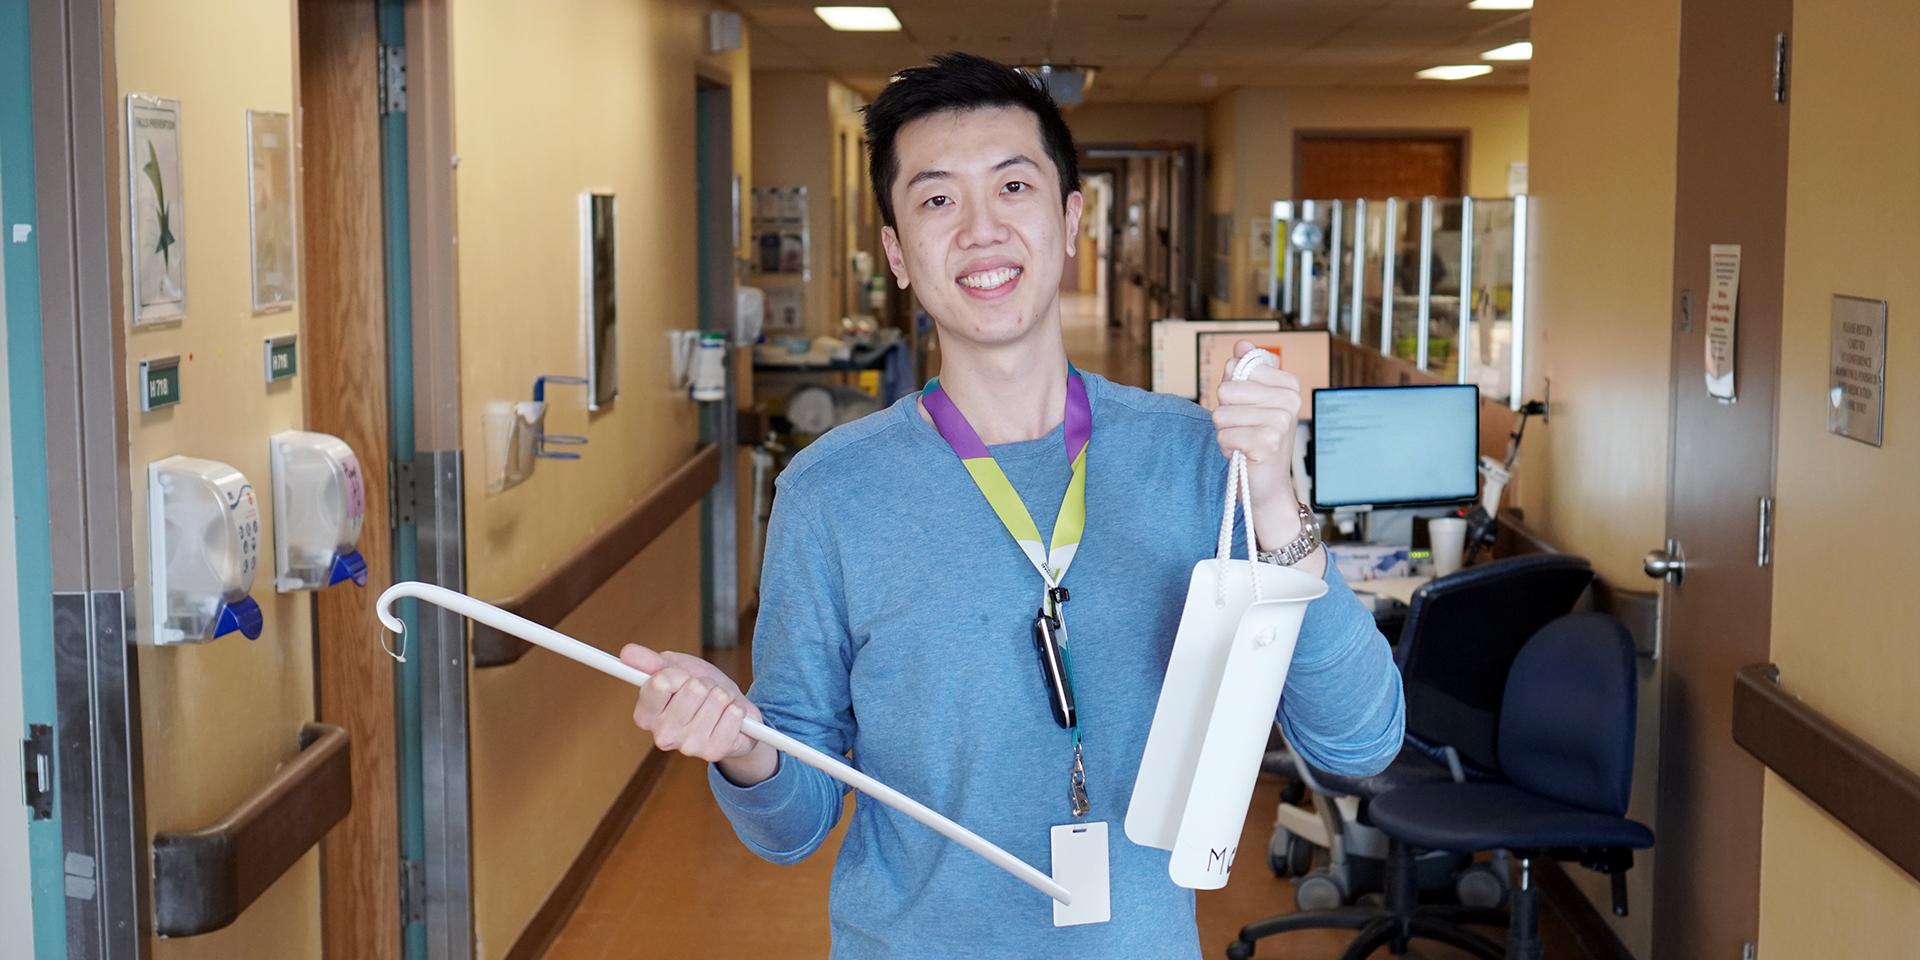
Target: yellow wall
798, 117
218, 718
1602, 182
612, 108
1844, 613
1221, 170
1122, 123
1601, 166
1266, 119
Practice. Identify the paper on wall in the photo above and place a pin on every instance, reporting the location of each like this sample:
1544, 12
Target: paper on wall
1723, 301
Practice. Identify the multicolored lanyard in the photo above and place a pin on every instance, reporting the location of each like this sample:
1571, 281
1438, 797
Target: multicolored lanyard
1051, 561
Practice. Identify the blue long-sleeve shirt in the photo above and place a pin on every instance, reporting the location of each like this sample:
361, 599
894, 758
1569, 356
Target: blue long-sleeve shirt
894, 627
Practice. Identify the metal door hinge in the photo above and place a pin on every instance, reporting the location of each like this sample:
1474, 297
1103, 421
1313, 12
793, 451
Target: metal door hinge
403, 495
1765, 555
1779, 68
1686, 309
393, 80
36, 759
1749, 952
413, 891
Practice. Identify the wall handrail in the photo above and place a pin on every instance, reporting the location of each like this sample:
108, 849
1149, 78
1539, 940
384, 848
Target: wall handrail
1873, 794
561, 591
204, 879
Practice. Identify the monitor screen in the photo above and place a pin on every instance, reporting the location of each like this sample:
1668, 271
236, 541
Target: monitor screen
1395, 446
1307, 354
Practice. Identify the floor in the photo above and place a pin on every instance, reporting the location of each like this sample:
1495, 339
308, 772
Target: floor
678, 884
1092, 346
680, 852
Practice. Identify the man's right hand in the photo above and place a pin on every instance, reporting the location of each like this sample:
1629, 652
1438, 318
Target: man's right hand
691, 707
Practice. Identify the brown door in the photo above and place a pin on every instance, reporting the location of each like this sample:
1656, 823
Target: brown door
344, 360
1731, 188
1339, 166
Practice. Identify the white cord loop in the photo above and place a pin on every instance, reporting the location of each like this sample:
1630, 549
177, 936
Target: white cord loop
1240, 489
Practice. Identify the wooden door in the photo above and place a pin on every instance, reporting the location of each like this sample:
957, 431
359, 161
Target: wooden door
344, 361
1731, 188
1341, 165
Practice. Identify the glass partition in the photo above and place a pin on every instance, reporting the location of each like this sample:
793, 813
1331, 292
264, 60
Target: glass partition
1446, 259
1404, 273
1438, 282
1316, 250
1490, 331
1375, 256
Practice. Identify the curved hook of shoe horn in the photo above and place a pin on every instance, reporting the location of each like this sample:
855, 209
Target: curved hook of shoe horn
612, 666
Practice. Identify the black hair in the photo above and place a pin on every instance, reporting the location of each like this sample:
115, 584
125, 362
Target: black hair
961, 81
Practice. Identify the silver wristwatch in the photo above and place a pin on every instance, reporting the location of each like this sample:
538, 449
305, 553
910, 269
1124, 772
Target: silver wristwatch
1300, 547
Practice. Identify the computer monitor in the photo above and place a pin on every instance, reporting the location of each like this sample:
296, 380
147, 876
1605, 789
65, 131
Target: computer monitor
1176, 341
1395, 446
1307, 354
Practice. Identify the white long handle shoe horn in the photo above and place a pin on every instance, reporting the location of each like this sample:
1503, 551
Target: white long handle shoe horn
611, 665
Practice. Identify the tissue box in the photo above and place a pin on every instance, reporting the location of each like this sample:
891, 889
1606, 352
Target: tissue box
1362, 562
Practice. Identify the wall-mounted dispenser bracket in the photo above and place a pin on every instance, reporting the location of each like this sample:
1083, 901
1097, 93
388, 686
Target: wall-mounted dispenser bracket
541, 438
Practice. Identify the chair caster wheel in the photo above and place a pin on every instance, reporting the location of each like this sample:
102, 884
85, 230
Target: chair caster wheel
1319, 890
1289, 855
1239, 950
1481, 885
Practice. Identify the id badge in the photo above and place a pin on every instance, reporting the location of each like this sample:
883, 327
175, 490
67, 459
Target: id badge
1080, 864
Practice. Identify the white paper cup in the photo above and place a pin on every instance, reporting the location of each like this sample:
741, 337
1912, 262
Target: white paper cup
1448, 536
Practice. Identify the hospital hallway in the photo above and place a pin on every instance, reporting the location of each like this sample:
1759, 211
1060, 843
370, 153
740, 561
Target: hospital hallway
1095, 346
372, 372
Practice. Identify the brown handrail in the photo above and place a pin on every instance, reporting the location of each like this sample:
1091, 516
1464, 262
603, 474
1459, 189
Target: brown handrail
1870, 792
203, 879
557, 594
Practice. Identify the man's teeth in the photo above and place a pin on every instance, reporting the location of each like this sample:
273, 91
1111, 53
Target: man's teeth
990, 279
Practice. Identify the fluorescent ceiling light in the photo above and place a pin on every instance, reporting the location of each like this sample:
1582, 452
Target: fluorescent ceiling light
1456, 72
862, 19
1512, 51
1500, 5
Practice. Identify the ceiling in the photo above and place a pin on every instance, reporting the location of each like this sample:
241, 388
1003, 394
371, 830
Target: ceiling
1155, 51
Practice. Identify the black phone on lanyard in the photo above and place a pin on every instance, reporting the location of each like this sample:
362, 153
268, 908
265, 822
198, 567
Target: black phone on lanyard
1050, 640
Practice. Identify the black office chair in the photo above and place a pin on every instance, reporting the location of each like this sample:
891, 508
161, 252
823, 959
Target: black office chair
1566, 746
1461, 635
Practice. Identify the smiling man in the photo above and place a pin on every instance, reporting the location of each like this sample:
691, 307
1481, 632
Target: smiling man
919, 557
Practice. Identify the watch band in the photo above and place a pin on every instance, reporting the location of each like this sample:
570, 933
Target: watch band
1300, 547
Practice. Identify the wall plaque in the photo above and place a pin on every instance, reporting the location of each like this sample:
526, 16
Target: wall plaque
1857, 377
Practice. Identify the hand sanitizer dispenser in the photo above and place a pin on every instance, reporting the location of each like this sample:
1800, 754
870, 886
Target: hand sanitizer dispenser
203, 535
319, 502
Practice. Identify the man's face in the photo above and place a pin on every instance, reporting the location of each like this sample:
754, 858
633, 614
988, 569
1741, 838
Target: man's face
981, 235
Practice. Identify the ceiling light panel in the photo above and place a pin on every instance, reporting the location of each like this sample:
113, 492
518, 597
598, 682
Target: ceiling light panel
1462, 71
1512, 51
859, 19
1500, 5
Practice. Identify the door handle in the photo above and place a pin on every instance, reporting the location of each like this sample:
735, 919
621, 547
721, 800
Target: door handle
1669, 564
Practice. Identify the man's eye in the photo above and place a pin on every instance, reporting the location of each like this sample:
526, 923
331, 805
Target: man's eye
1015, 186
938, 200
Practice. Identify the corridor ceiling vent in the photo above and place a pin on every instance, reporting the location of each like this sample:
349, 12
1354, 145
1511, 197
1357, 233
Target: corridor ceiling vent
1462, 71
859, 19
1500, 5
1067, 85
1522, 50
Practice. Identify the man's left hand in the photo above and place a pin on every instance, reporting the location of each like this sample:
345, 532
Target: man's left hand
1256, 416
